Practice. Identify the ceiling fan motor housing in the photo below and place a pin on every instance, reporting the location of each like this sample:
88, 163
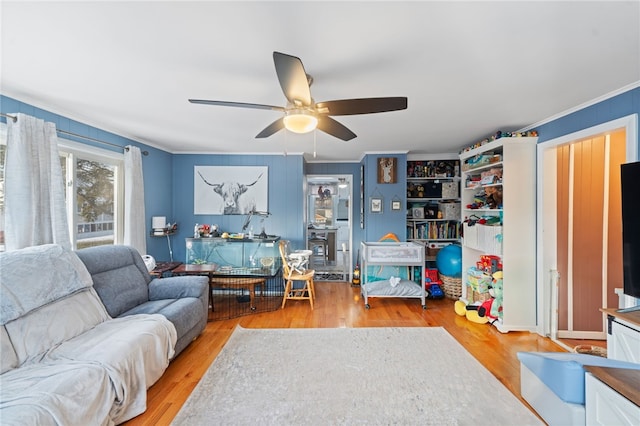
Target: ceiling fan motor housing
300, 120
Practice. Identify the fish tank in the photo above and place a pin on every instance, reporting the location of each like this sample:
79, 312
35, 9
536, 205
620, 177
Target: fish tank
237, 256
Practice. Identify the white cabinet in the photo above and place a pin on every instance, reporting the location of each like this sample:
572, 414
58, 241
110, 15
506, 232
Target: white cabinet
606, 406
623, 335
499, 185
611, 393
624, 343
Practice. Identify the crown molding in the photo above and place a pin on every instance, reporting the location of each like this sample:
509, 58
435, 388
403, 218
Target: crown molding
587, 104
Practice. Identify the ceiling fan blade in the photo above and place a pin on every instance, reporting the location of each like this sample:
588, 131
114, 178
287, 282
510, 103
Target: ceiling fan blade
292, 78
272, 128
332, 127
361, 106
236, 104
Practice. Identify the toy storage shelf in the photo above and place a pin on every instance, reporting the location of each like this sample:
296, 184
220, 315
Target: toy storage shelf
433, 192
514, 161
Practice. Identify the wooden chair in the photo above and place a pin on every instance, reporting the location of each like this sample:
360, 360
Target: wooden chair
307, 291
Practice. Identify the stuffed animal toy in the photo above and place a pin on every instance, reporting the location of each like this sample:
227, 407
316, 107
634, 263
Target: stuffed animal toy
484, 309
411, 190
493, 196
497, 293
487, 311
470, 311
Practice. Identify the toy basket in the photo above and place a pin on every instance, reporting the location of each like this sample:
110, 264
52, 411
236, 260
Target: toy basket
452, 286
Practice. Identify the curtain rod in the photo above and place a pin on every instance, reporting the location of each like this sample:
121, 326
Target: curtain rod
14, 118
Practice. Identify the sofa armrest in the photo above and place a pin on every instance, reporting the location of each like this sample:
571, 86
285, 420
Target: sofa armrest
178, 287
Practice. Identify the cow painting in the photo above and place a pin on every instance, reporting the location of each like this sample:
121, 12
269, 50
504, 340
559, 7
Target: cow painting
234, 191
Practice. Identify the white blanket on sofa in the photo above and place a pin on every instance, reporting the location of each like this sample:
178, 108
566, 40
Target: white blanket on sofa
58, 394
133, 350
62, 355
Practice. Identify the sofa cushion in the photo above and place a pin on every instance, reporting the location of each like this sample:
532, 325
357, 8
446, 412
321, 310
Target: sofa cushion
30, 300
563, 372
119, 276
184, 313
177, 287
38, 275
35, 333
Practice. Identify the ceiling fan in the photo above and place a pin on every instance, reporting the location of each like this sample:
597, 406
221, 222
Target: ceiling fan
302, 114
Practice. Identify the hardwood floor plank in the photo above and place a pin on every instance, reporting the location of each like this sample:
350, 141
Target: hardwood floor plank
338, 304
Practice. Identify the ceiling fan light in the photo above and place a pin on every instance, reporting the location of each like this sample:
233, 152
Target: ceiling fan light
299, 121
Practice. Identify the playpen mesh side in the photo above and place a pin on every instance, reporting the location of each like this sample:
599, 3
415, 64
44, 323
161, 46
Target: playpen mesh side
231, 301
380, 272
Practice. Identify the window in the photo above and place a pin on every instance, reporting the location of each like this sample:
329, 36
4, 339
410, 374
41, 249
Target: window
94, 188
94, 194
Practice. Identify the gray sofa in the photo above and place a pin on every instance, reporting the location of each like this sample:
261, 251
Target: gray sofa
124, 285
64, 358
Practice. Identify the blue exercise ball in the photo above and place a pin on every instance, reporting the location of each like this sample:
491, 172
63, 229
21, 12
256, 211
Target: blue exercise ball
449, 261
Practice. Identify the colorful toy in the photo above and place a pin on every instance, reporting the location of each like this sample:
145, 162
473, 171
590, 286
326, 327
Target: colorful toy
497, 293
488, 311
484, 309
470, 311
489, 263
493, 197
432, 284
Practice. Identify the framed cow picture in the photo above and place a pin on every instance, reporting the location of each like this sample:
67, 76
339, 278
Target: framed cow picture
230, 189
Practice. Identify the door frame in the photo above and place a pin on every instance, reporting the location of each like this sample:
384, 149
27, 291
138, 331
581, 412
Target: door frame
546, 208
350, 182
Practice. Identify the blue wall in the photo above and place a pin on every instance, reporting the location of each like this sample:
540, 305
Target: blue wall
377, 225
619, 106
285, 197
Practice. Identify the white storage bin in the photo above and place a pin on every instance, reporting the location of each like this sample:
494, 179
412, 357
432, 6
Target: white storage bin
470, 235
450, 190
490, 238
450, 211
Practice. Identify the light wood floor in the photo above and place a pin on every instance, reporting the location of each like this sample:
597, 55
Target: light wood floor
340, 305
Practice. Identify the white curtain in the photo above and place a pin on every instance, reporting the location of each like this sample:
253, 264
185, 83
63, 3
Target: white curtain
35, 211
134, 217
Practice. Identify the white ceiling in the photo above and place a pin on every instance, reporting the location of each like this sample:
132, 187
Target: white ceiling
468, 68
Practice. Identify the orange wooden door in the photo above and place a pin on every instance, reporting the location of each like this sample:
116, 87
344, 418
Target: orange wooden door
589, 242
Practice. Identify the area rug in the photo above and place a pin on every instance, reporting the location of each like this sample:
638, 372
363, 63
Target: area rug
349, 376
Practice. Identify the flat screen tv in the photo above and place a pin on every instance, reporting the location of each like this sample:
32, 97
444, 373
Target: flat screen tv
630, 185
